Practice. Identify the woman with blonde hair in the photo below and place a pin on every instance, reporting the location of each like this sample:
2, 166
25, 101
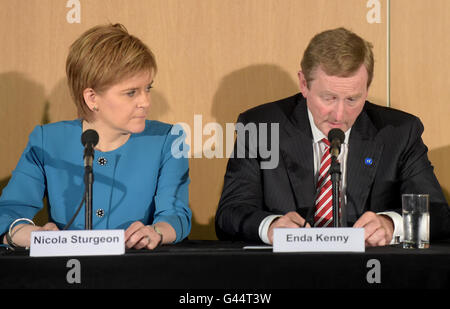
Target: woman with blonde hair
140, 186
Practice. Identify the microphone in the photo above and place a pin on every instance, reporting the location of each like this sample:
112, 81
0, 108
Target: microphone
89, 139
336, 138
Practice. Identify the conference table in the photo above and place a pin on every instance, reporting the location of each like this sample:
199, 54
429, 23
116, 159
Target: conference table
210, 264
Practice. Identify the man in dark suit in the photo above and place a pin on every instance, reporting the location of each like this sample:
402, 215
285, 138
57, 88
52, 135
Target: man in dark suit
382, 157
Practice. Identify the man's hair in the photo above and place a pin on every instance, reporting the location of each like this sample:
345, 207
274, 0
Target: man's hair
101, 57
338, 52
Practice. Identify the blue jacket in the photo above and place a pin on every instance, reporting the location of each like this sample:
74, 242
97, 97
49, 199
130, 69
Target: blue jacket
139, 181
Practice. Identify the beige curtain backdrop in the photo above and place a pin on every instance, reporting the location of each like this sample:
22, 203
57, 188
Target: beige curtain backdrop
217, 58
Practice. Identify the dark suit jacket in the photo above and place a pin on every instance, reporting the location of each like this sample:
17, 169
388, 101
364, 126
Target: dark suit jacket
390, 137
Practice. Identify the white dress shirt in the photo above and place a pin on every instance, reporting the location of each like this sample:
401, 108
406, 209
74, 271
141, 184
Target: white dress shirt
318, 149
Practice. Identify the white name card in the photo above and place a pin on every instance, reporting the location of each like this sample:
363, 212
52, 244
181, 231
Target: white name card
318, 240
77, 242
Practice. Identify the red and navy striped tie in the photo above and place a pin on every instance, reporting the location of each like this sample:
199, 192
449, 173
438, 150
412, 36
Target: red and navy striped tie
323, 216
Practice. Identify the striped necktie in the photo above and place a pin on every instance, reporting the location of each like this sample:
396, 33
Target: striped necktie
323, 216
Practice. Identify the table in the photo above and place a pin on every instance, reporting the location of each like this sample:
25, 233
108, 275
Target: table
226, 265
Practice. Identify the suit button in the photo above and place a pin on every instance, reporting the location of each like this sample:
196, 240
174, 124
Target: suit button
102, 161
100, 213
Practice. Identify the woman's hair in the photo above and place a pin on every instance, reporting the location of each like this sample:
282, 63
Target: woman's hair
101, 57
338, 52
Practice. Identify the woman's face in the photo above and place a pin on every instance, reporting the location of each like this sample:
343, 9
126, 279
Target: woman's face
123, 107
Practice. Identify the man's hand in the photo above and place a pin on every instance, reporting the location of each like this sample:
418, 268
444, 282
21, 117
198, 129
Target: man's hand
378, 229
291, 219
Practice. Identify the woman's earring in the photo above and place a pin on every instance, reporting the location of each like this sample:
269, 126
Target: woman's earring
95, 109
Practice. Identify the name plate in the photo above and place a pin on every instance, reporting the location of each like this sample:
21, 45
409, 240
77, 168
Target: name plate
77, 242
318, 240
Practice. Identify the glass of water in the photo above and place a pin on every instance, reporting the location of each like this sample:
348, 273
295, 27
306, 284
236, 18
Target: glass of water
416, 221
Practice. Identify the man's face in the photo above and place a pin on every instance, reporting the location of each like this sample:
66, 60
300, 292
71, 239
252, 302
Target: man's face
335, 102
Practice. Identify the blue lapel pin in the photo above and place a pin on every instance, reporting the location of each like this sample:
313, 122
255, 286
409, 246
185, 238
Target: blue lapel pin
368, 161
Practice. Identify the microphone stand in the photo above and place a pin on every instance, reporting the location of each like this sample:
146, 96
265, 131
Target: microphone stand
88, 181
335, 172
